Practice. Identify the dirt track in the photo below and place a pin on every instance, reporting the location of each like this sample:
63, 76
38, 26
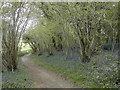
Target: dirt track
43, 78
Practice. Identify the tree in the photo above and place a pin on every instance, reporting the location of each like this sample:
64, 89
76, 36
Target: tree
83, 25
15, 17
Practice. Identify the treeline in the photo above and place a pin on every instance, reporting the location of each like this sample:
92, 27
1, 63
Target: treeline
79, 25
82, 25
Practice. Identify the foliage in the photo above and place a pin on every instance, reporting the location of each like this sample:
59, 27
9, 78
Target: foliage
77, 30
78, 25
17, 79
22, 53
15, 16
25, 49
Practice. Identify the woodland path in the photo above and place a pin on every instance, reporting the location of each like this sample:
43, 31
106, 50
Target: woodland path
43, 78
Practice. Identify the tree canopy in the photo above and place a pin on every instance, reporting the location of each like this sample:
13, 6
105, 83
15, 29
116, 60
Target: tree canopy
82, 25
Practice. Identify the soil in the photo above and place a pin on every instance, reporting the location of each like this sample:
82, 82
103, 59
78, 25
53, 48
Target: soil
44, 78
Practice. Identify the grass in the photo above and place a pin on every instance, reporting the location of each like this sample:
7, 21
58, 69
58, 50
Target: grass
17, 79
101, 72
25, 49
22, 53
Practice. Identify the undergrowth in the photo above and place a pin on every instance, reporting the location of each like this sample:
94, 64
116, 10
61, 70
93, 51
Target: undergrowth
101, 72
16, 79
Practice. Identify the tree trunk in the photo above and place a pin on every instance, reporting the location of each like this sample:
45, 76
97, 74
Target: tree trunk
85, 58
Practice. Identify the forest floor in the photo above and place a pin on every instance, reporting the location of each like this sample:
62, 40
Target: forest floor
100, 72
43, 78
19, 78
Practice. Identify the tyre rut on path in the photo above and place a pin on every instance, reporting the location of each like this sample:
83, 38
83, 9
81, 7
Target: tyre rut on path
43, 78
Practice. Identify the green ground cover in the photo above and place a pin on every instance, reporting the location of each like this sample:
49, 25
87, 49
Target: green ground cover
17, 79
101, 72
